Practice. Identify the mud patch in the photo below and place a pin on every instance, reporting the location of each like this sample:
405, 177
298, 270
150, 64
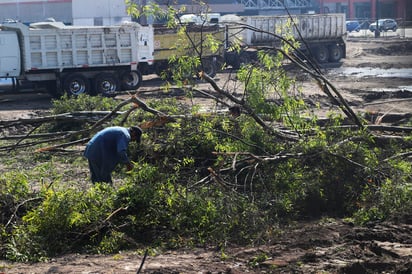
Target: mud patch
370, 96
325, 246
401, 48
367, 70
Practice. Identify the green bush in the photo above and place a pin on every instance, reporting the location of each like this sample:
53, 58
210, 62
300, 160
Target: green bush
82, 102
170, 198
204, 179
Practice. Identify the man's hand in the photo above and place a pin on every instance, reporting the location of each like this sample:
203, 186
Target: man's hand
129, 166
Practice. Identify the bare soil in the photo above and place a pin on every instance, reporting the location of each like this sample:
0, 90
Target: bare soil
371, 80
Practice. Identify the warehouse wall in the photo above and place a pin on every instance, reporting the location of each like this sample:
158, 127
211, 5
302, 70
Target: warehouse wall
99, 13
76, 12
29, 11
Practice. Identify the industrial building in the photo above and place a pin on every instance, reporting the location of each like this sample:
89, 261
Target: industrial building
369, 9
76, 12
112, 12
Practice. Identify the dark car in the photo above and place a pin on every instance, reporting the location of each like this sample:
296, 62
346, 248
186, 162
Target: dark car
384, 25
352, 26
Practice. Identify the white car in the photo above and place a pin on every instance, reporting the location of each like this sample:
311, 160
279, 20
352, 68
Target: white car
384, 25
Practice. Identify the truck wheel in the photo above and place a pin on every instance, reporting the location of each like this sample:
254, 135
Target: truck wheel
76, 84
335, 53
105, 84
322, 54
131, 80
245, 58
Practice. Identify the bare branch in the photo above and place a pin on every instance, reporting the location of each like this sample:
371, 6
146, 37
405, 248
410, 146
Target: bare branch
18, 207
248, 109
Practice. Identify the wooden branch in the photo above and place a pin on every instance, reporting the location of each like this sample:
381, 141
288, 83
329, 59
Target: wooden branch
126, 116
143, 260
158, 122
398, 129
136, 103
248, 109
389, 100
313, 70
387, 117
200, 182
400, 155
240, 140
217, 178
264, 158
109, 115
114, 213
56, 147
95, 227
6, 148
24, 137
36, 136
69, 117
17, 209
139, 103
210, 96
326, 86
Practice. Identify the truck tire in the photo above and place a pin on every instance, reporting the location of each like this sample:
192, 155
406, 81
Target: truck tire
322, 54
242, 58
105, 84
245, 58
335, 53
76, 84
131, 80
231, 59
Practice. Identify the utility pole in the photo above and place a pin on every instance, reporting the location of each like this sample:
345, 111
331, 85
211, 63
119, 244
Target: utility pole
18, 10
143, 17
377, 31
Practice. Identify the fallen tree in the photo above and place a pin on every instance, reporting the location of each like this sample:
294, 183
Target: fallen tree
209, 178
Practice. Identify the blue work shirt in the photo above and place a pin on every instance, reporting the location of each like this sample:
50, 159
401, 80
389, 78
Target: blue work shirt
109, 147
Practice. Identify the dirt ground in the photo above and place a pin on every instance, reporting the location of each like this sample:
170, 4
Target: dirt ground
375, 79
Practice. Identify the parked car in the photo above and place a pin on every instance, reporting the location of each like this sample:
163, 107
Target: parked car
384, 25
364, 24
352, 26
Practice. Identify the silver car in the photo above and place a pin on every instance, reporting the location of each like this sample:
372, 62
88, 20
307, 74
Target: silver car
384, 25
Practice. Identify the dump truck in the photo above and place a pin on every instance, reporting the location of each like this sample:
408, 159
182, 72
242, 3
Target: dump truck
321, 36
76, 59
168, 43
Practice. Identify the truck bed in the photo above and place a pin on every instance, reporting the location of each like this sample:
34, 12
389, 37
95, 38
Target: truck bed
310, 27
167, 41
55, 46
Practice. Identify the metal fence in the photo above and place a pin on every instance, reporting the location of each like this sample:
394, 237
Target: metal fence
404, 30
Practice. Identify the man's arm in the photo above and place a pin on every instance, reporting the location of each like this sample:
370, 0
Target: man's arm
122, 145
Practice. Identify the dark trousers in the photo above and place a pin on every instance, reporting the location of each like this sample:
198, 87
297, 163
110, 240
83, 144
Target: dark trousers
99, 173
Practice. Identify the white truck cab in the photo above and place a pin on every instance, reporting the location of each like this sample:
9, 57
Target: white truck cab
201, 19
10, 62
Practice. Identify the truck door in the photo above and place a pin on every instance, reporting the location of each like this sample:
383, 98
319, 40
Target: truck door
9, 54
146, 44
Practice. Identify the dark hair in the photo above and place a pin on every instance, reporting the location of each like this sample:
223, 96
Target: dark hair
137, 131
